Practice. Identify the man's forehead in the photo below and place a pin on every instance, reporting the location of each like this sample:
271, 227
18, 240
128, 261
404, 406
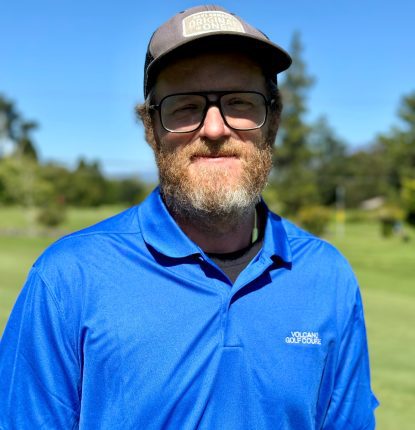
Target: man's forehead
211, 71
203, 59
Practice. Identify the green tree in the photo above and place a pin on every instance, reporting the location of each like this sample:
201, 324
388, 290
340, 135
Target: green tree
88, 185
21, 183
408, 199
128, 191
49, 187
397, 149
293, 177
60, 178
398, 146
365, 176
16, 130
329, 161
9, 118
24, 144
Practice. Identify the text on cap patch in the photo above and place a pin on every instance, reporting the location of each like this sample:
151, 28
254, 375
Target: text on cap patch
208, 22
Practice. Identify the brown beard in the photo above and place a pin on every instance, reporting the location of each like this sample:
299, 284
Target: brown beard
211, 197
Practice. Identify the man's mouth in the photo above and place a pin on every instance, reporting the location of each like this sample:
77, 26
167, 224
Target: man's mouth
214, 155
216, 158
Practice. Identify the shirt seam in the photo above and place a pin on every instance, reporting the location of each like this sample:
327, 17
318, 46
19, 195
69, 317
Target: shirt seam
62, 314
94, 233
319, 239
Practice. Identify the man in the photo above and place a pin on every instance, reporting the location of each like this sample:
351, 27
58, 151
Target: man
199, 308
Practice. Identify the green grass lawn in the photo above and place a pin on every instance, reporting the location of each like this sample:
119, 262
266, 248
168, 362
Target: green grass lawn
386, 272
17, 254
385, 269
13, 219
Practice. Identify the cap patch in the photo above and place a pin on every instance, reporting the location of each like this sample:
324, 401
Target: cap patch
209, 22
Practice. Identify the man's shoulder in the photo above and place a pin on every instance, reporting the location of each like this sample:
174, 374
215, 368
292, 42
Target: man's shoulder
124, 222
309, 246
292, 230
92, 241
317, 263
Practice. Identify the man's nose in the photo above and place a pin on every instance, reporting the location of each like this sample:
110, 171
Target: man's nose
214, 127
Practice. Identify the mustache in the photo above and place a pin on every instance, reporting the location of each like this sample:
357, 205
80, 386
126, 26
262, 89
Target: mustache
213, 149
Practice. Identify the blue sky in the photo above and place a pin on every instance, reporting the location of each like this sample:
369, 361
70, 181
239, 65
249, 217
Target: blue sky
76, 67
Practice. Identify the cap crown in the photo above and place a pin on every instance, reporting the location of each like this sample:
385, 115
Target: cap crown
209, 24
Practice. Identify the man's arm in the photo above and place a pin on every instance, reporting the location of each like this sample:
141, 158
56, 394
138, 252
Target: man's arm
39, 364
352, 403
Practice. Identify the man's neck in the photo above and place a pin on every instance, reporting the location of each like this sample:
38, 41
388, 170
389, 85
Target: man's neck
220, 237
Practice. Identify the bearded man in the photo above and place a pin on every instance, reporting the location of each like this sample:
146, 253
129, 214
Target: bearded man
199, 308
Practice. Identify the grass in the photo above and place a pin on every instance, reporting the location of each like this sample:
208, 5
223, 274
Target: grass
386, 272
15, 219
17, 254
387, 264
385, 269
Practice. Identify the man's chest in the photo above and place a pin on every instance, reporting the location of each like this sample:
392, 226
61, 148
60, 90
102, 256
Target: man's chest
192, 346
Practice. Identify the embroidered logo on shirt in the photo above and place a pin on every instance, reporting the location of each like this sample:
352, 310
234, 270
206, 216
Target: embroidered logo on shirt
304, 337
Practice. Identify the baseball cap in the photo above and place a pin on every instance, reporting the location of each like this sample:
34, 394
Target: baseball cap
209, 27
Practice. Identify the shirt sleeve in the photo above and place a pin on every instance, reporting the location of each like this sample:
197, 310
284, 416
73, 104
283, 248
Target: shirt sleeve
352, 404
39, 366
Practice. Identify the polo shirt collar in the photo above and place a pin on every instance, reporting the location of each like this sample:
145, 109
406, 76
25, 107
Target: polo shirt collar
275, 245
161, 231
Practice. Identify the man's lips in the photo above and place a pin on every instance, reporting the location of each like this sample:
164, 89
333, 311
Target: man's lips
213, 156
216, 159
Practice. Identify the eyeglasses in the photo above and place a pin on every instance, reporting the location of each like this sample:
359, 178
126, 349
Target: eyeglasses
184, 113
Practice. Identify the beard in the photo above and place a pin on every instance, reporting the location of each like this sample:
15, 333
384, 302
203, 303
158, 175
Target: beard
213, 195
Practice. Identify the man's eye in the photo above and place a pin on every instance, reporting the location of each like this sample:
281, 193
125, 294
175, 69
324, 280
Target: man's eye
186, 108
239, 104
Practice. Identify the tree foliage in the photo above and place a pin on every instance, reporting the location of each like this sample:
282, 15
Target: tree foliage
397, 148
311, 162
293, 178
16, 130
329, 161
49, 187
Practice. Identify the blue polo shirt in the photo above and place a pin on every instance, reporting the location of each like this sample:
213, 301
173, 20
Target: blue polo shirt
129, 325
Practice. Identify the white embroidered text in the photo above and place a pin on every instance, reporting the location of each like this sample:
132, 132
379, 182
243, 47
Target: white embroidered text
304, 337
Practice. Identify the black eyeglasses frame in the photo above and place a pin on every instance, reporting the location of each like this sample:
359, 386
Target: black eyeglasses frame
219, 94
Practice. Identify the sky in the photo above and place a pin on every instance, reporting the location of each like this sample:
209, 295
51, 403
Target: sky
76, 67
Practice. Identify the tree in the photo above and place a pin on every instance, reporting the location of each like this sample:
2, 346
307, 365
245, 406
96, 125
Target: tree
398, 146
293, 177
408, 199
16, 131
48, 187
24, 143
365, 176
9, 118
88, 185
21, 183
329, 160
128, 191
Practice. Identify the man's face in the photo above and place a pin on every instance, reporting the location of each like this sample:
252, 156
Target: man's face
214, 170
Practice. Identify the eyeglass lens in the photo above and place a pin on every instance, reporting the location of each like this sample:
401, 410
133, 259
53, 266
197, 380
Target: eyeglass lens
185, 112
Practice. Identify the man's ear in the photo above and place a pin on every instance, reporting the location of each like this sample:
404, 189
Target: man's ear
273, 125
143, 114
